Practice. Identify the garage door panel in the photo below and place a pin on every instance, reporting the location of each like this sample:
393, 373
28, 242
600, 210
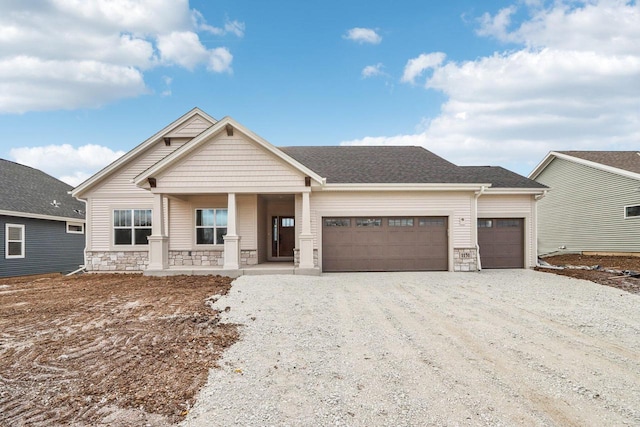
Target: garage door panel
501, 242
384, 244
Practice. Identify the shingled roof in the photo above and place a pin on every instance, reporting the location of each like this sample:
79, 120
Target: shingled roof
398, 165
625, 160
30, 191
499, 177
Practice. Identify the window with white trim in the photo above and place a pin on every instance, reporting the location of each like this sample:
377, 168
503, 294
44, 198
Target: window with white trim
75, 228
14, 241
131, 226
632, 211
211, 226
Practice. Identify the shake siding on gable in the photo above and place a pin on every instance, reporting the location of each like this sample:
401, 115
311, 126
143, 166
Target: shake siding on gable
584, 210
516, 206
458, 205
119, 183
230, 162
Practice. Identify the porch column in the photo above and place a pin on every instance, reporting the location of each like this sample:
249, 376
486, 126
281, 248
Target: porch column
306, 238
231, 240
158, 241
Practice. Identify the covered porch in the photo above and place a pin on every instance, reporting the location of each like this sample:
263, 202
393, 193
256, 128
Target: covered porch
250, 233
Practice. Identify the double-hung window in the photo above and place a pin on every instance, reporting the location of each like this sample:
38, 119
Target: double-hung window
14, 241
131, 226
211, 226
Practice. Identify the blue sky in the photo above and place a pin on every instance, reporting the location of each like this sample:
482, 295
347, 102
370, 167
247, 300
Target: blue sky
492, 82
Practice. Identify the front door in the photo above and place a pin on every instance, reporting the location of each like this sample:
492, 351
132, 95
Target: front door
283, 240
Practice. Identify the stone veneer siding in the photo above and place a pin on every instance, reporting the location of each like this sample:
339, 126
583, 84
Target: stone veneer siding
465, 259
117, 260
296, 258
248, 257
213, 258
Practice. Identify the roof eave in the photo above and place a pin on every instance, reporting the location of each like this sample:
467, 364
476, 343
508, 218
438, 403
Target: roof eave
404, 187
554, 154
40, 216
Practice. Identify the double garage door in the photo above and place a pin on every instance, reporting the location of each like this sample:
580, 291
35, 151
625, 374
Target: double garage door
384, 243
413, 243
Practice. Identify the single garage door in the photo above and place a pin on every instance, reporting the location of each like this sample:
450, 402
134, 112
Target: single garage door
501, 242
384, 243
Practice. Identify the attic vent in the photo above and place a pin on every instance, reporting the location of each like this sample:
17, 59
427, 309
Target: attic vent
55, 204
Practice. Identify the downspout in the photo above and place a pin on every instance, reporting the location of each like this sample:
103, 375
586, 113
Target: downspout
475, 226
538, 197
86, 236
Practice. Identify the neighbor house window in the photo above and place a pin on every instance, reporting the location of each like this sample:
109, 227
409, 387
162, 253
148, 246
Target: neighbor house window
632, 211
14, 244
131, 226
75, 227
211, 226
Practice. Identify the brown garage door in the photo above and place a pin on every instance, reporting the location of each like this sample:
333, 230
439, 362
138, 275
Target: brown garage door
501, 242
384, 243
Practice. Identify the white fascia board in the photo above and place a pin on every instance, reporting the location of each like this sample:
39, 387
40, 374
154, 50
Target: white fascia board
39, 216
533, 191
404, 187
543, 164
83, 187
584, 162
213, 130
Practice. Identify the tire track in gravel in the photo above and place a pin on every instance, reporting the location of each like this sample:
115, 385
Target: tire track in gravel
539, 371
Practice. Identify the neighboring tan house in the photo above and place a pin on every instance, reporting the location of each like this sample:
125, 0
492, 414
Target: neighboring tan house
211, 196
41, 225
593, 205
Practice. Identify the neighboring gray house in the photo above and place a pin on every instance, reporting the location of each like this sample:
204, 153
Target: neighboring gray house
41, 225
593, 205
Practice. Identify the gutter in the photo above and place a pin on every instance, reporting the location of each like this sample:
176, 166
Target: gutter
477, 196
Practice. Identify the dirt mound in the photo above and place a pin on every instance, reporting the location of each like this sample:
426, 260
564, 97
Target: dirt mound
594, 269
100, 349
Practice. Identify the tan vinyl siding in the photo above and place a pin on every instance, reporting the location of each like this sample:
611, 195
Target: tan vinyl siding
584, 210
120, 183
230, 161
101, 217
181, 225
182, 217
247, 221
193, 127
455, 205
513, 206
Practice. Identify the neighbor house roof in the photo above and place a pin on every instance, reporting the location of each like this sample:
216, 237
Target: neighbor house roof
626, 163
29, 192
625, 160
398, 165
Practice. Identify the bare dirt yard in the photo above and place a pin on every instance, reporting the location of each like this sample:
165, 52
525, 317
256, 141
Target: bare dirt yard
599, 275
107, 349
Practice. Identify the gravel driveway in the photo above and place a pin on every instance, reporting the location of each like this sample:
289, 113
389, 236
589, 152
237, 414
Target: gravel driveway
512, 347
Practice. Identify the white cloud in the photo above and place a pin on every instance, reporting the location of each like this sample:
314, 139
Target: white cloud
85, 53
372, 71
363, 35
59, 160
554, 93
416, 66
